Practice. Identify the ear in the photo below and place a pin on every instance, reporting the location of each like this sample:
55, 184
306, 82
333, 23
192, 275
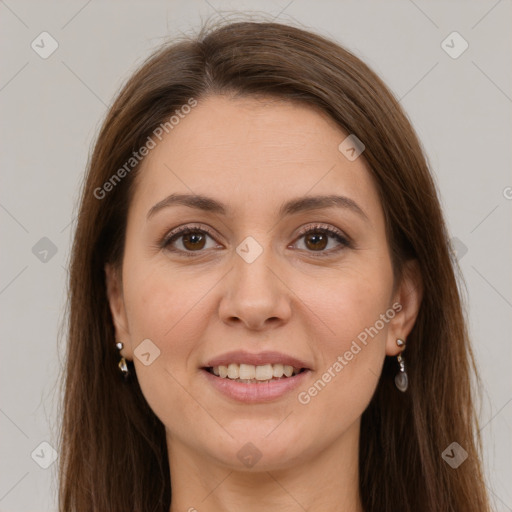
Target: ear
406, 304
117, 308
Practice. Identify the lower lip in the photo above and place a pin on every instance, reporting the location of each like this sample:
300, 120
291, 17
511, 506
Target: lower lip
256, 392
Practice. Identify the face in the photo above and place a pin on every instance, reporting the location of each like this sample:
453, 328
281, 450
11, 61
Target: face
267, 274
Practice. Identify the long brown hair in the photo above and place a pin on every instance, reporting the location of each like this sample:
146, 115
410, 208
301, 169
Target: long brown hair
113, 447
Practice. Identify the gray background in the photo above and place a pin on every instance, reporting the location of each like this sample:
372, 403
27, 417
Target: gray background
52, 109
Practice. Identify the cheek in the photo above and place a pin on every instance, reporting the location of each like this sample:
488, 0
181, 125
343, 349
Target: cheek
349, 333
348, 302
167, 309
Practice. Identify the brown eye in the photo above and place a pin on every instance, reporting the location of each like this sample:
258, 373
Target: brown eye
316, 241
188, 240
193, 241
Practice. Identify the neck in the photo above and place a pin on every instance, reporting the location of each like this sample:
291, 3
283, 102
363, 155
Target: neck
324, 482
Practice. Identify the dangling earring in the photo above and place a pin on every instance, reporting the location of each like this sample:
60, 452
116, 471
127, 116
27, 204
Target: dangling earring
401, 379
122, 362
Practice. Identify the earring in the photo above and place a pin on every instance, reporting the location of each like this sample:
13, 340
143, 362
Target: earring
401, 379
122, 362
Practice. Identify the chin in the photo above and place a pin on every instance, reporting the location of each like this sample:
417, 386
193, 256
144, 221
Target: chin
253, 449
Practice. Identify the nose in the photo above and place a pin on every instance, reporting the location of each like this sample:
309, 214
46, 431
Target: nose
255, 295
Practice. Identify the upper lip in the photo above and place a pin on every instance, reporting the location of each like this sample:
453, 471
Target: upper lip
259, 359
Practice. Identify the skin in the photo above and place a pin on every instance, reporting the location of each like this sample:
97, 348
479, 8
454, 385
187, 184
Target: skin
253, 155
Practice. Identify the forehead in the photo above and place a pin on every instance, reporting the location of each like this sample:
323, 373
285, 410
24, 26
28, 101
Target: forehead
247, 149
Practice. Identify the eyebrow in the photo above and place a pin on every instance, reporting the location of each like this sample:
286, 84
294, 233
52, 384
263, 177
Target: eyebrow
291, 207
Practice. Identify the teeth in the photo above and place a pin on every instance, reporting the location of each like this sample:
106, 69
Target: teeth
247, 371
250, 373
234, 371
278, 370
265, 372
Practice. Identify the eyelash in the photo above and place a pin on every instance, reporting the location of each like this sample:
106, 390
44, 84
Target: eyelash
317, 228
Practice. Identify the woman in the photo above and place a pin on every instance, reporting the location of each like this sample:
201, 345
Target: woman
263, 308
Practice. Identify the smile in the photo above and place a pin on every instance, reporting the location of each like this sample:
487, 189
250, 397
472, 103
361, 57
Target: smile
266, 388
249, 373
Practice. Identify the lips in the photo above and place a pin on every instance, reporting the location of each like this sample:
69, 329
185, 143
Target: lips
252, 391
262, 358
255, 378
249, 372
